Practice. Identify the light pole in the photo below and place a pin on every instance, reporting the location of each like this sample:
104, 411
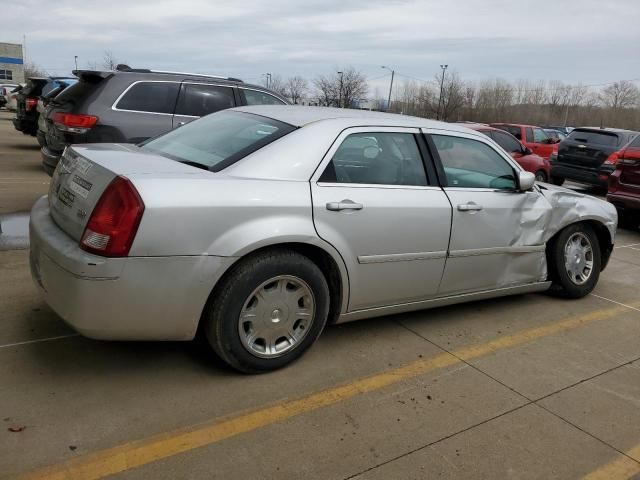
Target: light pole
75, 59
444, 69
268, 77
340, 90
393, 72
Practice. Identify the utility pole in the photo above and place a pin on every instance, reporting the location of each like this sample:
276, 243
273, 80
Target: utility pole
340, 91
444, 69
75, 59
268, 76
393, 72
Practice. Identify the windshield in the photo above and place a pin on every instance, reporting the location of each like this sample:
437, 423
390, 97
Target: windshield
216, 141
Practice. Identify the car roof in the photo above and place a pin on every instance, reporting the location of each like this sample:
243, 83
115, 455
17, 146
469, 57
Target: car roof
481, 126
515, 124
299, 116
606, 129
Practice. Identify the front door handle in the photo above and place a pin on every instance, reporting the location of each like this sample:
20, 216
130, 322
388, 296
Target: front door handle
344, 205
469, 207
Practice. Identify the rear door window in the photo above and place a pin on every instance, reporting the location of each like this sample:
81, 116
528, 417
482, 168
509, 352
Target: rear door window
528, 131
255, 97
539, 136
198, 100
507, 142
154, 97
594, 138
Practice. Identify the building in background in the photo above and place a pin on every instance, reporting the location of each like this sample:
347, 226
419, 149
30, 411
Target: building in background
11, 62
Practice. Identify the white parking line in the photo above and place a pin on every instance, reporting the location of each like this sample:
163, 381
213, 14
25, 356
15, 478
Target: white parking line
39, 340
629, 246
617, 303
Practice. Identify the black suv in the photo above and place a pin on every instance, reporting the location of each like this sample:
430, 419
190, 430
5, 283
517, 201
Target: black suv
26, 119
131, 105
589, 155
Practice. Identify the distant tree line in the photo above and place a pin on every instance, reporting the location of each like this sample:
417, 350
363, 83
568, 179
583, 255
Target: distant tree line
539, 103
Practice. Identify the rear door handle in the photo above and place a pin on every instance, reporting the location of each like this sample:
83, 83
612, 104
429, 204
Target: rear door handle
469, 207
344, 205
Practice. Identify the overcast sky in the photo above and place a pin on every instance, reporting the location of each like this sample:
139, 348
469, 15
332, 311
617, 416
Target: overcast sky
588, 41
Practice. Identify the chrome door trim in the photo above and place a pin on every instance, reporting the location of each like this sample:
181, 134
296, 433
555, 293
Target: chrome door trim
401, 257
378, 185
496, 250
442, 301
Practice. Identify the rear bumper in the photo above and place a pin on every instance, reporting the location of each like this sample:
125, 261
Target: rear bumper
50, 159
581, 175
27, 125
133, 298
626, 201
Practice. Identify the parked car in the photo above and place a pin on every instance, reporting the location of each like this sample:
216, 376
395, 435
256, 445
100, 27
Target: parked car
52, 89
259, 225
5, 89
132, 105
532, 137
589, 155
557, 135
624, 185
12, 98
26, 119
528, 160
559, 128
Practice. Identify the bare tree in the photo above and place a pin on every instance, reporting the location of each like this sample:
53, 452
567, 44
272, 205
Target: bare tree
33, 70
327, 92
452, 95
295, 88
620, 95
109, 61
354, 87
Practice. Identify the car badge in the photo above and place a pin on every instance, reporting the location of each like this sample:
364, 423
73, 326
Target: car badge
81, 213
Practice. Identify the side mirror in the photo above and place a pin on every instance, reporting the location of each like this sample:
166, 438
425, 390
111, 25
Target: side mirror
525, 181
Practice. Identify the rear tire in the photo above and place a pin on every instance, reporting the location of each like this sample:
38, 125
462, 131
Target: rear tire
267, 312
574, 261
541, 176
557, 181
629, 220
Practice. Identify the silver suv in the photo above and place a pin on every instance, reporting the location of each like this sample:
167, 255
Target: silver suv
132, 105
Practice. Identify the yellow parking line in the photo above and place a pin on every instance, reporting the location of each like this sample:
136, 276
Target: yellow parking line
622, 468
137, 453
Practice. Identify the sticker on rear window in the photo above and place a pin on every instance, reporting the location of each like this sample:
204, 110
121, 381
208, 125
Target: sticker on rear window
80, 186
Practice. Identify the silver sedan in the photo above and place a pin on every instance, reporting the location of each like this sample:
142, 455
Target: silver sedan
258, 226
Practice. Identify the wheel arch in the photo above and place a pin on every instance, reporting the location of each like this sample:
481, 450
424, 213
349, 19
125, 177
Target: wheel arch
324, 256
602, 233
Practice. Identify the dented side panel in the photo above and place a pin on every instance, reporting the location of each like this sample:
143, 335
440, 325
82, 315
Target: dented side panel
500, 244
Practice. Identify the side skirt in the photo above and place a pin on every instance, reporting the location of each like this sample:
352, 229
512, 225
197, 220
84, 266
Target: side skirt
442, 302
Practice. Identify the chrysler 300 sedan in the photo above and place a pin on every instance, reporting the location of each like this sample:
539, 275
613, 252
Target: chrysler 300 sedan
258, 226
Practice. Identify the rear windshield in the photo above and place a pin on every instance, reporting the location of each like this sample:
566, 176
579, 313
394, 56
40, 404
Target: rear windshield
594, 138
218, 140
76, 92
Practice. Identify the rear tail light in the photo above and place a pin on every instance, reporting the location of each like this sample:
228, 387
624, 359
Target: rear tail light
74, 122
114, 221
612, 159
31, 103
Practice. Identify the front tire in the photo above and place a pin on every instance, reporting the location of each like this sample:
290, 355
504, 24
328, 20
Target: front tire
541, 176
574, 261
268, 311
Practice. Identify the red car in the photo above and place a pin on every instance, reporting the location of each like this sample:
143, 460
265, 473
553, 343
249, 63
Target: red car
532, 137
624, 185
524, 156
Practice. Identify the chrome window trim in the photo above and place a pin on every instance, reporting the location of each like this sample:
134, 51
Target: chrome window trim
364, 129
115, 109
478, 138
386, 186
401, 257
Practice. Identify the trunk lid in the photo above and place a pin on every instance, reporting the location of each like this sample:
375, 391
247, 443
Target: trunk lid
85, 171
